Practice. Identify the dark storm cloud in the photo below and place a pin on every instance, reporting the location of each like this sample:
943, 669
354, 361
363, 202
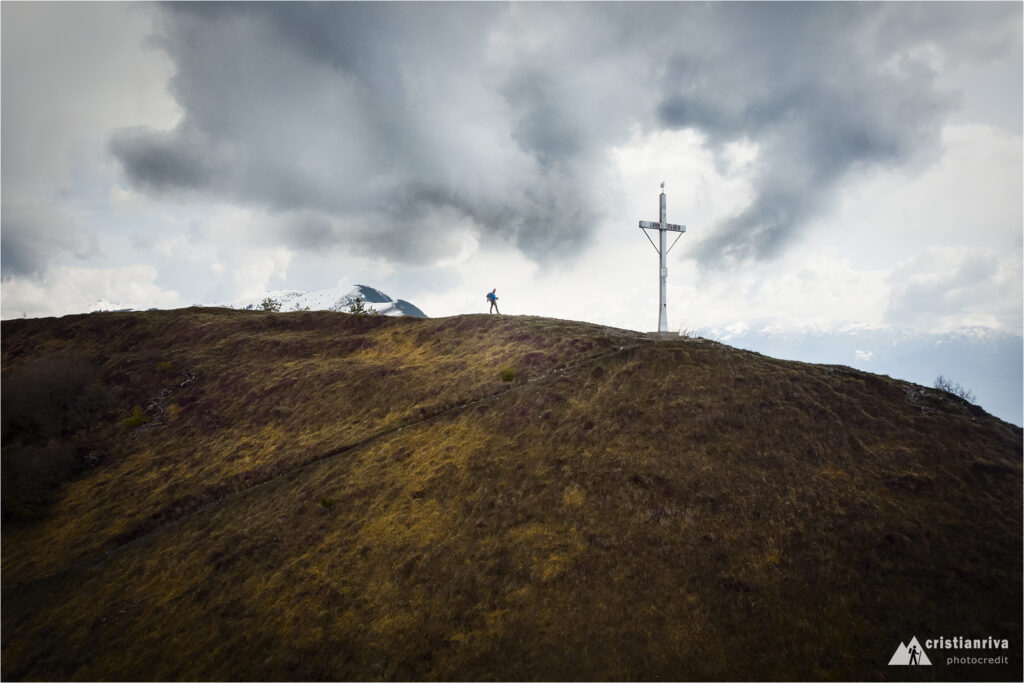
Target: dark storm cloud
374, 113
546, 128
821, 94
33, 234
159, 161
382, 117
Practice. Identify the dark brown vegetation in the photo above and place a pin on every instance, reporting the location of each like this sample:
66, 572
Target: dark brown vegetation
215, 494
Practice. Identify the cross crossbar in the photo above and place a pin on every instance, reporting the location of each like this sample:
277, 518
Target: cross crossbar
653, 225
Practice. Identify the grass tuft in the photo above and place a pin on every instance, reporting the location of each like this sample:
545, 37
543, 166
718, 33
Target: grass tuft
137, 418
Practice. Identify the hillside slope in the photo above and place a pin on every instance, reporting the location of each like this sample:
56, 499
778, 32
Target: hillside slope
325, 496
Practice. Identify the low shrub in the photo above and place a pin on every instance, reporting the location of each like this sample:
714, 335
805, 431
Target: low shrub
137, 419
507, 374
357, 307
955, 388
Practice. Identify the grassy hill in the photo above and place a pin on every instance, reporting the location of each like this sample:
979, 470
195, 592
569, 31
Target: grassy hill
230, 495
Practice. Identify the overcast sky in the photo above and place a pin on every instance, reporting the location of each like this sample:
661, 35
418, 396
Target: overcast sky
835, 164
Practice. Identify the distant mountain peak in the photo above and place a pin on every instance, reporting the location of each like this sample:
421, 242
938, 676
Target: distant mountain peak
331, 299
370, 295
104, 306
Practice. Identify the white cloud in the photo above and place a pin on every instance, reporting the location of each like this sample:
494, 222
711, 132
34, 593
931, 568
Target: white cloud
812, 287
945, 288
698, 191
127, 202
260, 270
66, 290
973, 195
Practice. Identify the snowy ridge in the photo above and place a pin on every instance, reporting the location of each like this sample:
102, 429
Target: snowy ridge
104, 306
332, 299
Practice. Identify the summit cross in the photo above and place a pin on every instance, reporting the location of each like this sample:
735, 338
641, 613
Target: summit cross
662, 226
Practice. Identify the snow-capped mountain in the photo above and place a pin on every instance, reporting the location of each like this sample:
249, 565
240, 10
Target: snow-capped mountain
104, 306
332, 299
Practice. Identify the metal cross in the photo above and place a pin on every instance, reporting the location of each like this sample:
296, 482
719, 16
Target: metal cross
662, 226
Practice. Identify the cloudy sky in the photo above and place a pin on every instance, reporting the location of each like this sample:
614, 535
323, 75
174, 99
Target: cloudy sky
835, 164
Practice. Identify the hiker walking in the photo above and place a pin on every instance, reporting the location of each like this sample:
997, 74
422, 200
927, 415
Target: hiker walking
915, 655
493, 298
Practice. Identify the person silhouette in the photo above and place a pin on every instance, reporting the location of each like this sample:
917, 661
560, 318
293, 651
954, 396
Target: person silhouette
493, 298
915, 655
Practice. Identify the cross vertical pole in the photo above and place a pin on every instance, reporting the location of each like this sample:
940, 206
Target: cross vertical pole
662, 253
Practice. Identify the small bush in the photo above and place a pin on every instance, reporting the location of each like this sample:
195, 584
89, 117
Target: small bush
269, 305
955, 388
358, 308
507, 374
326, 502
137, 419
165, 366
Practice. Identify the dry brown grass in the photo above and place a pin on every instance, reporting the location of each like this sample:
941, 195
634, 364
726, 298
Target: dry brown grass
624, 509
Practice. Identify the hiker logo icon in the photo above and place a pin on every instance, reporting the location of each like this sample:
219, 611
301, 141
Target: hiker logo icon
911, 654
